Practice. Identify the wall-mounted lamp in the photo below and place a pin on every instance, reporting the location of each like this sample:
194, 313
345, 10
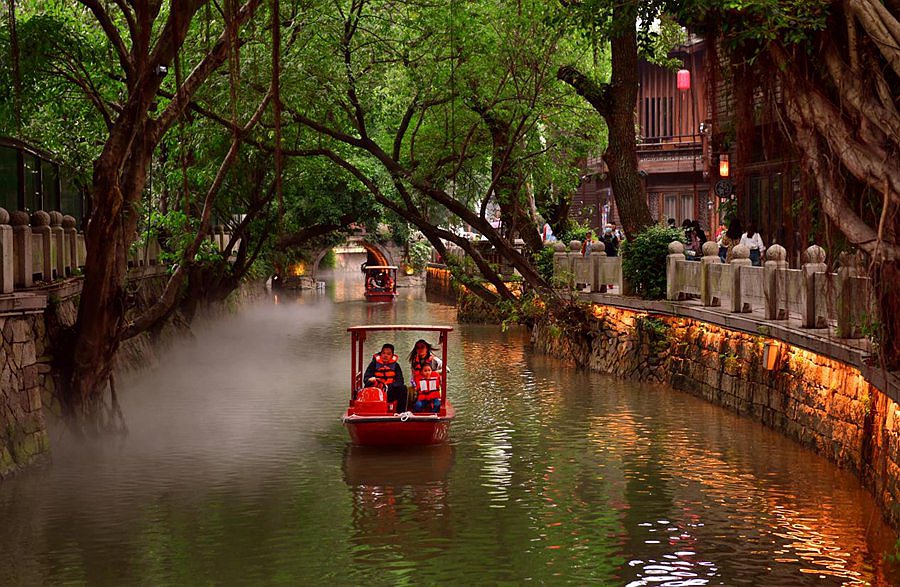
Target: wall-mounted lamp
770, 355
723, 165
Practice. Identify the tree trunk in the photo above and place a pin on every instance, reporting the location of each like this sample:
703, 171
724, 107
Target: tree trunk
886, 276
621, 152
615, 102
101, 310
14, 61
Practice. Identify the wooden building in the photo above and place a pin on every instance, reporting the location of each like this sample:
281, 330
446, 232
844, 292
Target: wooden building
32, 180
673, 147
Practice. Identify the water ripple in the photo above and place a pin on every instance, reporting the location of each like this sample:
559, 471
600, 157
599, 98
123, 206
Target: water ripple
237, 471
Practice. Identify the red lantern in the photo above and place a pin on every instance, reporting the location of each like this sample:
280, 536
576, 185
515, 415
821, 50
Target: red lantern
684, 80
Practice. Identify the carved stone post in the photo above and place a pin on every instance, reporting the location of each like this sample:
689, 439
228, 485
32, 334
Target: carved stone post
775, 259
22, 272
710, 255
68, 224
7, 257
219, 231
852, 298
560, 261
574, 253
815, 263
676, 253
57, 244
740, 257
40, 226
597, 259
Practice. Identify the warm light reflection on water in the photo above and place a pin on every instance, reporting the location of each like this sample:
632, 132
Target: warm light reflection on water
237, 471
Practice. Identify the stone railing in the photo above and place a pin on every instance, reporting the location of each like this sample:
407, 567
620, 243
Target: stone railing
595, 272
487, 251
42, 247
811, 295
46, 246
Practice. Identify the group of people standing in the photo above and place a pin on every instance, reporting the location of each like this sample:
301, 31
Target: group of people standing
735, 234
726, 238
384, 370
610, 240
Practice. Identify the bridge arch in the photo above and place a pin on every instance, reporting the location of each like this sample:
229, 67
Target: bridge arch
383, 255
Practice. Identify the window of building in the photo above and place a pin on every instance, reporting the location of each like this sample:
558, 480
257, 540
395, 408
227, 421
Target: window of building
32, 168
49, 185
9, 178
71, 200
687, 208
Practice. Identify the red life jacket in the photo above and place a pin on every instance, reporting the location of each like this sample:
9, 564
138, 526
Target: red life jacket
428, 389
385, 373
419, 362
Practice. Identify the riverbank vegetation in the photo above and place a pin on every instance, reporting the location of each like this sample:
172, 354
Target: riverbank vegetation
290, 122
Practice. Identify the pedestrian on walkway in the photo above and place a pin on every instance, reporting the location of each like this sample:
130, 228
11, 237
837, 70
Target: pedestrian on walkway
753, 241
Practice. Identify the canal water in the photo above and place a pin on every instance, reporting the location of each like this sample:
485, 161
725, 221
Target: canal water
236, 471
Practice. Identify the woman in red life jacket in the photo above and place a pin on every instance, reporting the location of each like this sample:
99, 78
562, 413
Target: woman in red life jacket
385, 370
421, 355
428, 387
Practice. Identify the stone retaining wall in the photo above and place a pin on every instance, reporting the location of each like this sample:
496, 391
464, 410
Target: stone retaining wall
28, 386
822, 403
23, 368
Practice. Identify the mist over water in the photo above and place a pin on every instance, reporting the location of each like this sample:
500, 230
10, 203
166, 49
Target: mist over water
236, 470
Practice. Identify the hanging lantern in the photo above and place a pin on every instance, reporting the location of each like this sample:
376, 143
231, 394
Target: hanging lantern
684, 80
723, 165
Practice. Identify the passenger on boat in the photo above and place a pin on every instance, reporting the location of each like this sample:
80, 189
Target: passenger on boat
428, 387
421, 355
385, 370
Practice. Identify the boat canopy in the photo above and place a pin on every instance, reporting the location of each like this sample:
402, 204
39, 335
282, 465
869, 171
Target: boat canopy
382, 327
376, 267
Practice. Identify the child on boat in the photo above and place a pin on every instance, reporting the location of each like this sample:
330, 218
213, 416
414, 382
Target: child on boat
428, 389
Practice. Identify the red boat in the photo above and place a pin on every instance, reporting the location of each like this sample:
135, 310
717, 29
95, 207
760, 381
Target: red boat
381, 283
371, 420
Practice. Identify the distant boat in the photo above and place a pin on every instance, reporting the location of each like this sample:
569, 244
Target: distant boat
381, 282
371, 420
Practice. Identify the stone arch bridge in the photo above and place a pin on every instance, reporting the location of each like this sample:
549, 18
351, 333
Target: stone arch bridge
383, 254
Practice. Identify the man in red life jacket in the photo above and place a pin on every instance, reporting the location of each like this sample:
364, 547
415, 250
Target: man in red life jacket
385, 370
428, 388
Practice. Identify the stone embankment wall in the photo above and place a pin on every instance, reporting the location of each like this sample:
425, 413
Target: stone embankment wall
24, 368
28, 364
822, 403
29, 368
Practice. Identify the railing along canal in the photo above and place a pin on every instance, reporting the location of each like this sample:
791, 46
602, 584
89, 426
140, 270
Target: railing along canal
44, 248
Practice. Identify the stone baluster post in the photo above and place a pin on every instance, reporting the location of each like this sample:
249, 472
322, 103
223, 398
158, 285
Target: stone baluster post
22, 273
560, 261
776, 258
740, 257
68, 224
574, 253
710, 255
58, 244
851, 299
673, 285
153, 251
815, 263
219, 230
40, 225
598, 258
7, 256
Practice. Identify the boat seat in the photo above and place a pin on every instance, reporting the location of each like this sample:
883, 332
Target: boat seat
371, 401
